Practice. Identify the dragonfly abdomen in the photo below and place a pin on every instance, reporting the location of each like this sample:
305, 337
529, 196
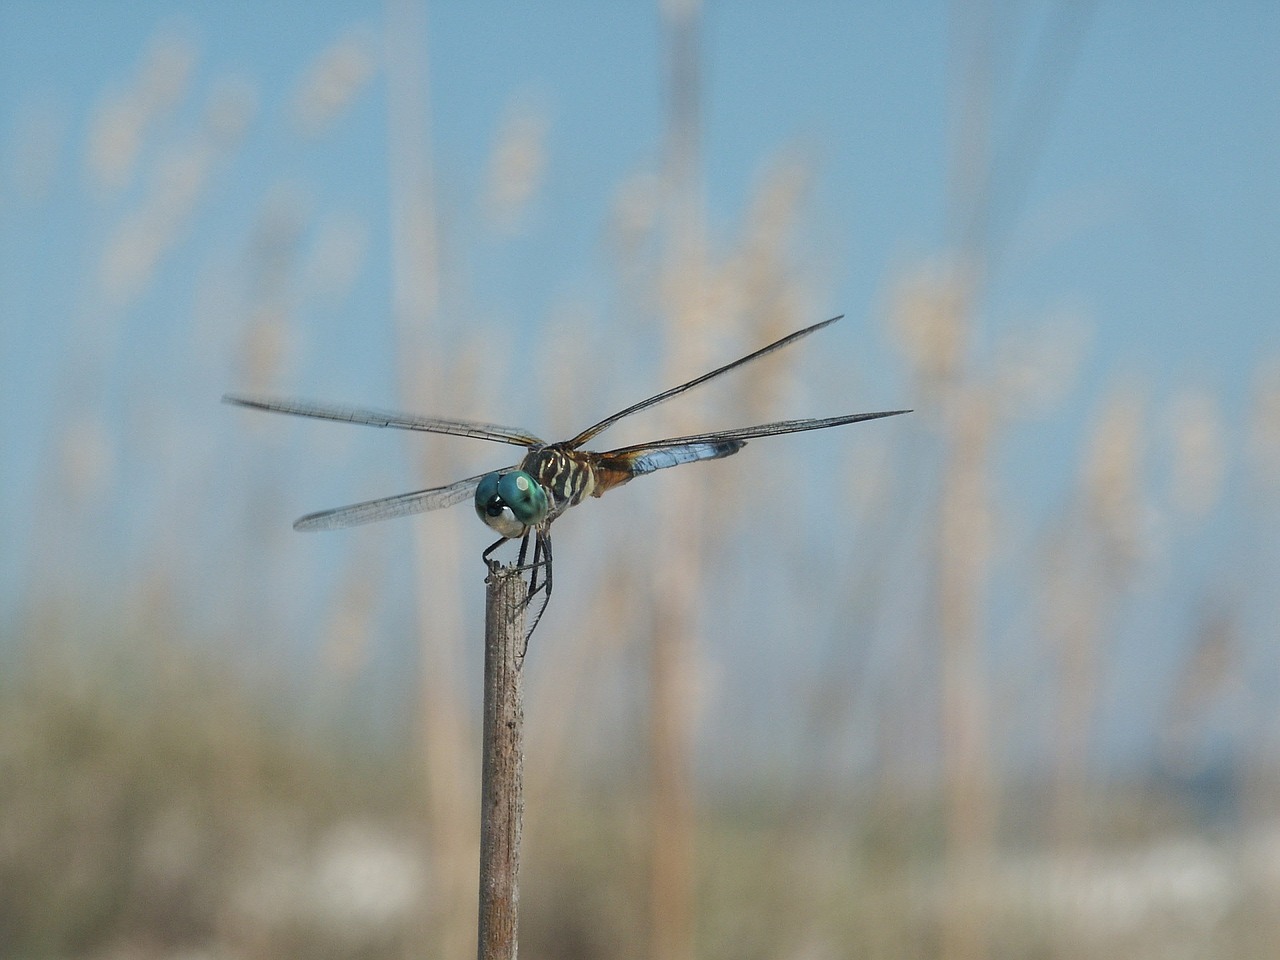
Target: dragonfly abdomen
653, 457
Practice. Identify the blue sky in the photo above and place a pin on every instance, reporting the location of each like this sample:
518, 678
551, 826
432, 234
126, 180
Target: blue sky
1149, 211
1165, 142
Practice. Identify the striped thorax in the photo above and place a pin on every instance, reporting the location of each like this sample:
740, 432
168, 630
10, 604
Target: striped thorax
570, 476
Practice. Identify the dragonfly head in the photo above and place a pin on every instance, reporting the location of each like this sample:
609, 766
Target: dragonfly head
510, 503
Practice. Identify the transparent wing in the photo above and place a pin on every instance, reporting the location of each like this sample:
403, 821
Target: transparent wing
384, 508
595, 429
387, 418
740, 435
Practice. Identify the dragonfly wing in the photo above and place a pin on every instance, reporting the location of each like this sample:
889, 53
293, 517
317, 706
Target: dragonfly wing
595, 429
384, 508
740, 435
387, 418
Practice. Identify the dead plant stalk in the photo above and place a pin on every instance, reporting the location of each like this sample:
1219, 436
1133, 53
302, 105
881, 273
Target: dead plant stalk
502, 788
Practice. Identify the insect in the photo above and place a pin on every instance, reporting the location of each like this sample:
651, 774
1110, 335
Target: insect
523, 500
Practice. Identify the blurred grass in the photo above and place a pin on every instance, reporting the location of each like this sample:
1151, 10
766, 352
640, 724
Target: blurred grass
148, 790
159, 806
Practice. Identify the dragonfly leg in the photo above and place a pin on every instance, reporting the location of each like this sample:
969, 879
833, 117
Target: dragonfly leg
541, 557
534, 586
488, 551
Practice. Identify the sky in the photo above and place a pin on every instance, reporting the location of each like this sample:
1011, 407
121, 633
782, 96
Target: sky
1164, 141
1142, 195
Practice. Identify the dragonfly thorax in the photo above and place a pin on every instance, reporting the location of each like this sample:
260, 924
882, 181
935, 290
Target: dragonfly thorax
511, 502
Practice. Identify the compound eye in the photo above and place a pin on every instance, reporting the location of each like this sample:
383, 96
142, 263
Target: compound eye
486, 493
524, 495
510, 503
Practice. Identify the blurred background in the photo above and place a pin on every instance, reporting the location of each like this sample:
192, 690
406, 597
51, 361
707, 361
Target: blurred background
996, 679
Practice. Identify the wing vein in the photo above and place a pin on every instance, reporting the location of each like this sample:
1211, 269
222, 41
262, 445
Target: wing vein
384, 508
516, 436
749, 433
597, 428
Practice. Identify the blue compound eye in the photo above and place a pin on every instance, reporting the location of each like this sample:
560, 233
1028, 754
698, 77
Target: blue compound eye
510, 503
524, 495
487, 493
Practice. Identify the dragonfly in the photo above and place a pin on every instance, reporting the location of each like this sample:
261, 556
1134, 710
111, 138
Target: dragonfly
521, 501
